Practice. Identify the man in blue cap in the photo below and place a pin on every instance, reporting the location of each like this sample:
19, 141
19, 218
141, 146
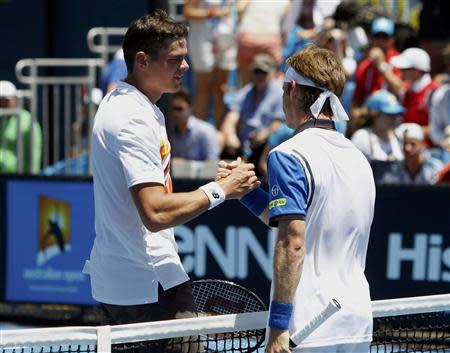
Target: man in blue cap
378, 141
372, 73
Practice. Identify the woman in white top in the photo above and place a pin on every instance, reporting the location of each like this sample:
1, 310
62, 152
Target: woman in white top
260, 31
212, 50
378, 141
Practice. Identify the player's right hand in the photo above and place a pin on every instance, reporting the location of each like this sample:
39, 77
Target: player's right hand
278, 341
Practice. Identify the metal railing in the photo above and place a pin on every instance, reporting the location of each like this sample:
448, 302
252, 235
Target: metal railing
99, 39
57, 102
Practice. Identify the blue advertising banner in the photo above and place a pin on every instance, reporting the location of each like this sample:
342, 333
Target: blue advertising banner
49, 233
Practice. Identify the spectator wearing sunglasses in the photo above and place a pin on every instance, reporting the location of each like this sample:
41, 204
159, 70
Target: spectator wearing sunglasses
256, 111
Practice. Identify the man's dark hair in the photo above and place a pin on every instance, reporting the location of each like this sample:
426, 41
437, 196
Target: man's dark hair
183, 94
346, 11
149, 34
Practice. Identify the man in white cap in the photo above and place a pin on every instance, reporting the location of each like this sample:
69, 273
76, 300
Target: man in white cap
418, 167
321, 197
415, 65
15, 151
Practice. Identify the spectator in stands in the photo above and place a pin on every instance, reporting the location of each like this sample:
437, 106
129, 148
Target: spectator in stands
335, 39
434, 30
17, 132
373, 72
212, 49
415, 66
260, 31
190, 137
444, 175
256, 112
417, 167
378, 141
439, 109
345, 18
311, 14
302, 31
115, 71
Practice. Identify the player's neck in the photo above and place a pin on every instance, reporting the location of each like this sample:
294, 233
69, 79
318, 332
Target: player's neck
152, 95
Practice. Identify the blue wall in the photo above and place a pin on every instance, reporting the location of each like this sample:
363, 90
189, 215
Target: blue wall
57, 28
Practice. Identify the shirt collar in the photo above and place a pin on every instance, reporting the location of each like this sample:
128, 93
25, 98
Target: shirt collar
421, 83
316, 123
124, 88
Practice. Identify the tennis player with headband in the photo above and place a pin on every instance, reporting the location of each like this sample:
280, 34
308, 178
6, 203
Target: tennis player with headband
321, 197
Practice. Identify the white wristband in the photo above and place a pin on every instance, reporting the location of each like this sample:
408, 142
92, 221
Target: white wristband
215, 194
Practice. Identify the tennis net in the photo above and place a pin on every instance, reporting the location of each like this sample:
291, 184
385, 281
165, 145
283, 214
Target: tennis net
418, 324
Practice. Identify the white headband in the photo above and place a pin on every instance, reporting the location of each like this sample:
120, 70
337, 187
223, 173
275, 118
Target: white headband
336, 106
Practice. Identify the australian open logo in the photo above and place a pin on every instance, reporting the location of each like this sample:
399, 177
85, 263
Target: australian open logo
275, 190
54, 229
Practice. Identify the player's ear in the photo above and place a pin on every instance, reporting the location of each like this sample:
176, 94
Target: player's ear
141, 60
295, 90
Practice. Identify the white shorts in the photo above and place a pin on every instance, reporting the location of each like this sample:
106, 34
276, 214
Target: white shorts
363, 347
207, 53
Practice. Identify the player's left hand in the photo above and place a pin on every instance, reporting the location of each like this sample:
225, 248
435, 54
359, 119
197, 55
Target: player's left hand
278, 341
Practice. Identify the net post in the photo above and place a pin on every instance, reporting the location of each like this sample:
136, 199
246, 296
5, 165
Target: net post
104, 339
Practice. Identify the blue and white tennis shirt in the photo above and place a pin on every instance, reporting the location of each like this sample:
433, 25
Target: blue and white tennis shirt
320, 177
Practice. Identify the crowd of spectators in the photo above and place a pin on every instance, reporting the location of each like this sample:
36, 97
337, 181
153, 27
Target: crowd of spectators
397, 92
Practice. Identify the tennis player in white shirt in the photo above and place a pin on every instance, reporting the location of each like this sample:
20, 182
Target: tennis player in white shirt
321, 197
136, 273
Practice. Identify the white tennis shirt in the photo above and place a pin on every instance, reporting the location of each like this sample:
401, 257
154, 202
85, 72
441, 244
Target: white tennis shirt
320, 176
129, 147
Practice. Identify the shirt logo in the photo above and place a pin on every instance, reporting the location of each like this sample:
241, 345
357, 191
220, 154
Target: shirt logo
275, 190
277, 203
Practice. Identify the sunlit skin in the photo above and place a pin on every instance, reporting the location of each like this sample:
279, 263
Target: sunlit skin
164, 74
412, 147
414, 159
288, 107
8, 102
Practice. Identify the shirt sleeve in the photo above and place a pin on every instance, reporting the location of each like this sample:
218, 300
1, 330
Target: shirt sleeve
138, 149
288, 188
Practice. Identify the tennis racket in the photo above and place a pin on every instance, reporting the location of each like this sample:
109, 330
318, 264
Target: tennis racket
332, 308
219, 297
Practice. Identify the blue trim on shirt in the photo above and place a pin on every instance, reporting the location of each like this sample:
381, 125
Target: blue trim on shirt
288, 188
